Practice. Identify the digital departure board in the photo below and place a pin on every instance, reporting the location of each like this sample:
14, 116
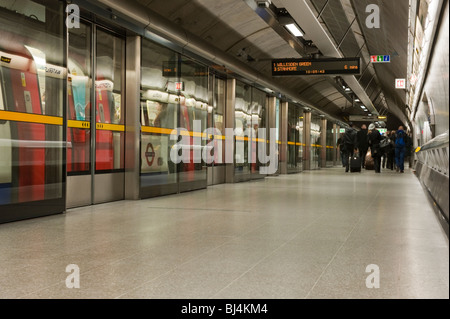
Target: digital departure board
188, 68
286, 67
170, 68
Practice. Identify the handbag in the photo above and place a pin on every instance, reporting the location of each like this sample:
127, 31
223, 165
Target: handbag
385, 143
369, 162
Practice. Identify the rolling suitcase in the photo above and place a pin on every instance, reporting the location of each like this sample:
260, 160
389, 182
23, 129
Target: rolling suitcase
355, 164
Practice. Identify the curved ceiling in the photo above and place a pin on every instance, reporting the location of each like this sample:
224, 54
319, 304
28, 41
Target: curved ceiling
234, 27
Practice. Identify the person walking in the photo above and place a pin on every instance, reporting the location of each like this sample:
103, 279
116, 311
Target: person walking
409, 154
362, 145
383, 151
374, 138
350, 142
340, 145
391, 152
400, 149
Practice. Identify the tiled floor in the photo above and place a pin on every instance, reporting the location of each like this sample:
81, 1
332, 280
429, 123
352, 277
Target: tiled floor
309, 235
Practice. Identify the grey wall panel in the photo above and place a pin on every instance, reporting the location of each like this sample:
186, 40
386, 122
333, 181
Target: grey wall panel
133, 127
218, 176
436, 185
109, 187
436, 86
78, 191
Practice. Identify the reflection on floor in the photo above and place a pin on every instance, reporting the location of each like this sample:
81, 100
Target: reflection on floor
318, 234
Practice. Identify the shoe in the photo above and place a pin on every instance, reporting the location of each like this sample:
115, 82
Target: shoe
401, 171
397, 169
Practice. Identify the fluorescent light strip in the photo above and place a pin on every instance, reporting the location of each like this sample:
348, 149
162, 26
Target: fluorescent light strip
294, 29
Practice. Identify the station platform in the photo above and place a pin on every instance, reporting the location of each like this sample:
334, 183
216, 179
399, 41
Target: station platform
315, 235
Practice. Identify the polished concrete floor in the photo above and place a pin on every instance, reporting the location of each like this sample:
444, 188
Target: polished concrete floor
318, 234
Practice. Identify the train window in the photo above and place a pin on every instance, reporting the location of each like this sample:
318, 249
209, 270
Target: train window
193, 116
258, 121
32, 79
316, 145
159, 114
242, 122
110, 135
79, 100
219, 102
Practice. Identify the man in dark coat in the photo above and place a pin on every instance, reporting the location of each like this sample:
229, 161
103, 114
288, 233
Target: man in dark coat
362, 145
374, 139
350, 142
340, 145
390, 152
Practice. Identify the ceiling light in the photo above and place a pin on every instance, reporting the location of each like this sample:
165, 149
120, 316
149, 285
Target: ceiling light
363, 107
357, 100
347, 89
294, 29
263, 3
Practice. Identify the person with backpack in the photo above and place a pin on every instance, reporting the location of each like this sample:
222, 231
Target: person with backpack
350, 142
400, 149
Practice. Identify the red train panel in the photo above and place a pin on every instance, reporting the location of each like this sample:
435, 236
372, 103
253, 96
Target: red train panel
25, 88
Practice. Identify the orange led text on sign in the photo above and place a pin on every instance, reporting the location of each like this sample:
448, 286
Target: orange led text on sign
290, 66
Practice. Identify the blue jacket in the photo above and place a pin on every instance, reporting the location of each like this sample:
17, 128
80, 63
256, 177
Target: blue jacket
399, 136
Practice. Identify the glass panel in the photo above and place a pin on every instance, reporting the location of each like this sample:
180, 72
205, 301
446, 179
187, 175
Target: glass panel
445, 160
295, 133
109, 146
277, 119
315, 141
242, 122
300, 140
219, 121
329, 145
31, 101
79, 101
278, 128
292, 137
258, 120
159, 114
193, 114
210, 117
